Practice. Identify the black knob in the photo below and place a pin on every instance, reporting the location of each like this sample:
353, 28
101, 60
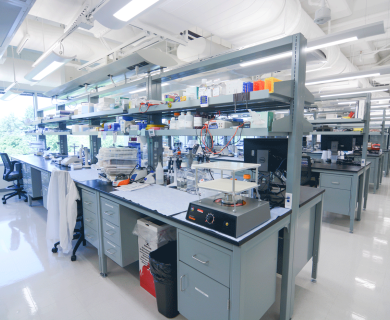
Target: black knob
210, 218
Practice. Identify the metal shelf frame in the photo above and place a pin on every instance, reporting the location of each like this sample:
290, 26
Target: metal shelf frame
290, 95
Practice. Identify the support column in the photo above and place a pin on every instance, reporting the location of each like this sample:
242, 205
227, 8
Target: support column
366, 130
294, 159
383, 130
63, 140
95, 142
41, 138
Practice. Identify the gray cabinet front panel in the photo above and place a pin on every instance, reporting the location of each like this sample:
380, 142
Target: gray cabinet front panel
113, 251
36, 183
337, 201
112, 232
45, 177
89, 201
110, 211
44, 195
205, 257
91, 236
335, 181
90, 219
200, 297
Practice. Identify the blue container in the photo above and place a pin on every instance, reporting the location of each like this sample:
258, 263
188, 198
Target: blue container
112, 126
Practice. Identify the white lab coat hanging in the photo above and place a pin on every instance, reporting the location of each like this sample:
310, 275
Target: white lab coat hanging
62, 209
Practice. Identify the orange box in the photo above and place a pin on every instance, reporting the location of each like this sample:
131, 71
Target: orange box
269, 84
258, 85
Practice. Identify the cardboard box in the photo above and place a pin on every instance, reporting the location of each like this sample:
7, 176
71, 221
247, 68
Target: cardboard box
154, 230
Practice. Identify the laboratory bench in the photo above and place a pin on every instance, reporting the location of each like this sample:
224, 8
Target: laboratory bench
377, 162
231, 278
346, 188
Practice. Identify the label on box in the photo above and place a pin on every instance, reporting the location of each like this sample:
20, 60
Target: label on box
288, 200
363, 163
204, 101
152, 133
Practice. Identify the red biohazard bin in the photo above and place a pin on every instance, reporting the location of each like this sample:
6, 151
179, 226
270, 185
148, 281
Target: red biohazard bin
152, 234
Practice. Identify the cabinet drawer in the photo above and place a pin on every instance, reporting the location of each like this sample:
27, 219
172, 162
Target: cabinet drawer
205, 257
45, 177
110, 211
112, 251
90, 219
91, 236
111, 232
335, 181
337, 201
89, 201
200, 297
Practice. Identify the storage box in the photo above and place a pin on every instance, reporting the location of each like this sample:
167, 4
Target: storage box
152, 234
258, 85
269, 84
87, 108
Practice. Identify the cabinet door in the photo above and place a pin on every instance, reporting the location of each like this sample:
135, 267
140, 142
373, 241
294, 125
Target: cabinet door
200, 297
337, 201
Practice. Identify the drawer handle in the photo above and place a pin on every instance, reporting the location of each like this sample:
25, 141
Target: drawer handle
335, 182
88, 220
181, 278
110, 234
109, 206
110, 251
200, 291
108, 213
204, 262
87, 202
88, 236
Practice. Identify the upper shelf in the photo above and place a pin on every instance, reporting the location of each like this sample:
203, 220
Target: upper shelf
336, 121
336, 133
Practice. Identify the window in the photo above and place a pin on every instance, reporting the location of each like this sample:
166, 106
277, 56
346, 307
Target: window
12, 116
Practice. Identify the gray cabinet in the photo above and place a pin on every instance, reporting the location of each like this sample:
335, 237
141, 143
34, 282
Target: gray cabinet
118, 222
201, 297
32, 183
90, 217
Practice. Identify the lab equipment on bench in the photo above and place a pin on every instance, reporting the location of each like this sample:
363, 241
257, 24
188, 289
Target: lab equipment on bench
227, 212
69, 160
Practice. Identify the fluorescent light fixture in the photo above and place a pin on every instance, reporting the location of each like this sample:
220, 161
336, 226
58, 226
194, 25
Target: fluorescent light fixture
336, 38
133, 8
10, 86
11, 94
380, 99
52, 62
22, 43
267, 59
348, 93
347, 102
343, 79
329, 44
282, 111
380, 106
136, 91
115, 14
49, 69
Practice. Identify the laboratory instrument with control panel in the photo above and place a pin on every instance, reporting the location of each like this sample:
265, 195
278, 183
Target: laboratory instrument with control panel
231, 211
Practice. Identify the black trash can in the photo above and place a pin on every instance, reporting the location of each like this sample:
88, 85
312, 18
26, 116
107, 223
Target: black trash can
163, 267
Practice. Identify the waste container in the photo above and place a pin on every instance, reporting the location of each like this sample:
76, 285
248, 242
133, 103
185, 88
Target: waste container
163, 267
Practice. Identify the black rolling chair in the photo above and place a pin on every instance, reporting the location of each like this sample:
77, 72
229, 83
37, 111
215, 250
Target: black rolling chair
78, 233
13, 172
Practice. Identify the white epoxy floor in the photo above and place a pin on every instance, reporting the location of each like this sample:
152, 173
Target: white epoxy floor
353, 276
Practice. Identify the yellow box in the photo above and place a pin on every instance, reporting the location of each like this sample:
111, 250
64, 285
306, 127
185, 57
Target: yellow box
269, 84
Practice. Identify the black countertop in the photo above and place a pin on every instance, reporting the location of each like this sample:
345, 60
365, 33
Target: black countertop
337, 167
307, 194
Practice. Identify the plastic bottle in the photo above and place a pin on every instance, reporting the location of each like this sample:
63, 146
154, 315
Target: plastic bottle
198, 121
247, 193
183, 176
145, 156
159, 174
189, 120
182, 120
172, 125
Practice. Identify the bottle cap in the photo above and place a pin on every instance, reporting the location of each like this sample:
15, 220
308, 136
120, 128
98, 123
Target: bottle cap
176, 114
247, 176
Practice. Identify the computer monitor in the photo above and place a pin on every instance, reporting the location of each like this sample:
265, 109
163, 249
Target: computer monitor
345, 143
271, 153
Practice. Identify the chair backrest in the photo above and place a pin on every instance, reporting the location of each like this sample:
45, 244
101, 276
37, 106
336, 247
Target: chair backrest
6, 162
